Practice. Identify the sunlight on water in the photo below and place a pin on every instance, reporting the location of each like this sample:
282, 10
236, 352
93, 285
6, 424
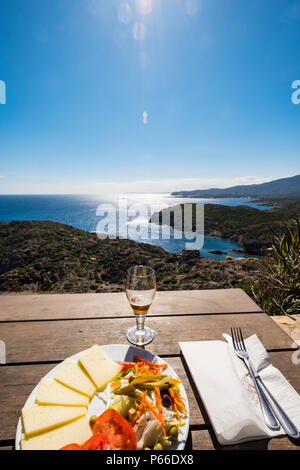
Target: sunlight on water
81, 212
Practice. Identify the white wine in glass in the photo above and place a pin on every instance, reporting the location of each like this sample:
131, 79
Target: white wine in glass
140, 291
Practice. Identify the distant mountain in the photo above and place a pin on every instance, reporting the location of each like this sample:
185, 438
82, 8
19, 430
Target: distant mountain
281, 187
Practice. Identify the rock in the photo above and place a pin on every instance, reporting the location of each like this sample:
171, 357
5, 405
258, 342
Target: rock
52, 257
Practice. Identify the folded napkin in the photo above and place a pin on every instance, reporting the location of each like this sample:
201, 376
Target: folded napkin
228, 392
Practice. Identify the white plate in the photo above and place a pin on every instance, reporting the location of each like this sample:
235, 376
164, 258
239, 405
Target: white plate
120, 353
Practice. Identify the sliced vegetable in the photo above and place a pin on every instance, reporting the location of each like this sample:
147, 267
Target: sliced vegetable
151, 432
125, 390
159, 407
122, 404
164, 384
97, 442
72, 447
120, 433
166, 400
145, 378
151, 365
126, 369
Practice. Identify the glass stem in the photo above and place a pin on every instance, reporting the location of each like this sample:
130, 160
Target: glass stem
140, 322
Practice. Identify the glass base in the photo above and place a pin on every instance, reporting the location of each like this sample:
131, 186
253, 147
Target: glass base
140, 337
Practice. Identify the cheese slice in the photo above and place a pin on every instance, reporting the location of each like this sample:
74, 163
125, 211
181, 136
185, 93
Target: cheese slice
38, 419
51, 392
100, 368
77, 432
71, 375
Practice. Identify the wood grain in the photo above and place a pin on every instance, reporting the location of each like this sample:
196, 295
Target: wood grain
53, 341
33, 335
206, 440
17, 382
64, 306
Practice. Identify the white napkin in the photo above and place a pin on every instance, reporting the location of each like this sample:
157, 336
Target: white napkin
228, 392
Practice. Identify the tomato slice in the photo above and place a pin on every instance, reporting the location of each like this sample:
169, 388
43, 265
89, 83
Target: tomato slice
97, 442
119, 432
71, 447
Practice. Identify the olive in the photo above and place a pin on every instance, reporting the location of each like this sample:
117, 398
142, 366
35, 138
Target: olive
158, 446
174, 433
93, 419
166, 400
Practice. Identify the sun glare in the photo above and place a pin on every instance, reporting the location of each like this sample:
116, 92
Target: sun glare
144, 7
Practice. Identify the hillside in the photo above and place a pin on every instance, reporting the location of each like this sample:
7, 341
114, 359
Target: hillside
281, 187
247, 226
51, 257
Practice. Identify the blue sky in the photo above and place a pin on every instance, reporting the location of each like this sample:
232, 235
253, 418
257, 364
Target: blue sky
147, 95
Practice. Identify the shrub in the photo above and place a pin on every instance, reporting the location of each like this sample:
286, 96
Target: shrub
277, 290
246, 287
68, 286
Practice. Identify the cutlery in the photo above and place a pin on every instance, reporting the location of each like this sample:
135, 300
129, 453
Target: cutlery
267, 400
241, 352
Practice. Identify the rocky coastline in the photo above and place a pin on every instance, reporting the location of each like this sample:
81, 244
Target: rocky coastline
45, 257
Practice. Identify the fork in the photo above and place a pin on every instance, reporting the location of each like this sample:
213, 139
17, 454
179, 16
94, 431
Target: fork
241, 352
269, 404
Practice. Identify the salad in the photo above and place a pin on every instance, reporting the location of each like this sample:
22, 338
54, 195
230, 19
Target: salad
144, 410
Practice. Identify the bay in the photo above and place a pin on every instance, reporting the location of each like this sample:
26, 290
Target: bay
81, 212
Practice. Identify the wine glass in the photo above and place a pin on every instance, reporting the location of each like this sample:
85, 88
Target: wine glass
140, 291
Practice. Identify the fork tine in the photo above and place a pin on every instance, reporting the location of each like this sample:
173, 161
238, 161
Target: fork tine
233, 339
242, 338
239, 338
237, 346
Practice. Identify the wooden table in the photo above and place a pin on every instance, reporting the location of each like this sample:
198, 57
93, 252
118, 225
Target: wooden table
39, 331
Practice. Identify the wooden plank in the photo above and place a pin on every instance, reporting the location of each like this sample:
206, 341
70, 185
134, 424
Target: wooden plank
54, 341
206, 440
17, 382
63, 306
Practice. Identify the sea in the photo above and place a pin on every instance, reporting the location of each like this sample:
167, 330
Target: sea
85, 213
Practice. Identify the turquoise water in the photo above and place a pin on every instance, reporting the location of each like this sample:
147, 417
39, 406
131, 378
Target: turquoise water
80, 212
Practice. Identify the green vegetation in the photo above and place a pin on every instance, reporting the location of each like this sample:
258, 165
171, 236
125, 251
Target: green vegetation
247, 226
52, 257
277, 290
